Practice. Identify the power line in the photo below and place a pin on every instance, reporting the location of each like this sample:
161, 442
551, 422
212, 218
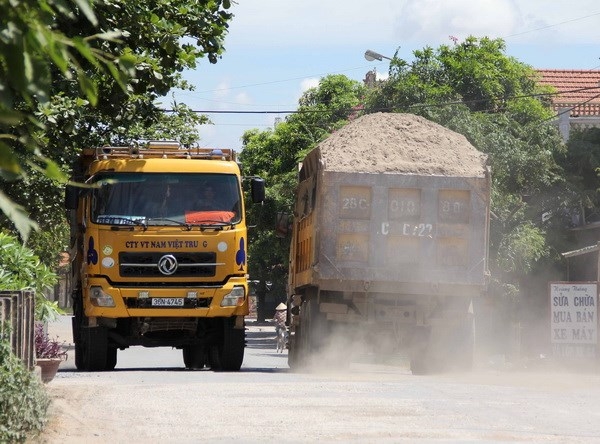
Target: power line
553, 25
458, 102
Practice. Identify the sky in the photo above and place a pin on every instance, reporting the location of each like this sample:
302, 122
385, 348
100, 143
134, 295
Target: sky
277, 49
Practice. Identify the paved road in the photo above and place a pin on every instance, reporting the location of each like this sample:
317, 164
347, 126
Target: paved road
150, 398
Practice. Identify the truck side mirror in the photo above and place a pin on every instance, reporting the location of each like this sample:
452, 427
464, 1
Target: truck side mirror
71, 197
258, 189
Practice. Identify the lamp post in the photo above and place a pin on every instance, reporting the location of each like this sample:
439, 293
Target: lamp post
371, 76
372, 55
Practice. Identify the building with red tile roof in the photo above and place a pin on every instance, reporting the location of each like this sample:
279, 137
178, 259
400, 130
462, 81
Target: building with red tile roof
577, 104
577, 89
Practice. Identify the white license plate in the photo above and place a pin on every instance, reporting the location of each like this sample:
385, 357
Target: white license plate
167, 302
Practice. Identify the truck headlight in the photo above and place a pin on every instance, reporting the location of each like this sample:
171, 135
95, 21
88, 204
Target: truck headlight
234, 297
100, 299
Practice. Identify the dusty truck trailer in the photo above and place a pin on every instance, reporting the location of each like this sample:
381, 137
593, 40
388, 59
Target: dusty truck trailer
389, 244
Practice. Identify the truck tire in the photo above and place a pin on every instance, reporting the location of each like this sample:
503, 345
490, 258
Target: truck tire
294, 344
194, 356
77, 341
94, 349
76, 323
311, 335
228, 353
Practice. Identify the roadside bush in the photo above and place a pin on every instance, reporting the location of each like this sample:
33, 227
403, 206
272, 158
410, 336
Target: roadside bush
20, 268
23, 399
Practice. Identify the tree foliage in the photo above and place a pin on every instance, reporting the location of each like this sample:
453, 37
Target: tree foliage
32, 51
581, 163
73, 76
21, 269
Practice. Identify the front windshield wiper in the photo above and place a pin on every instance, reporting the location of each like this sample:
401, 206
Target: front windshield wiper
166, 219
212, 225
204, 225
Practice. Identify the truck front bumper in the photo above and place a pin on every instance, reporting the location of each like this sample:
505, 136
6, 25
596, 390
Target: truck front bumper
104, 300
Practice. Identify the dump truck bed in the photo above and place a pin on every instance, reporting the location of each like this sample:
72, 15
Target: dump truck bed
395, 232
394, 203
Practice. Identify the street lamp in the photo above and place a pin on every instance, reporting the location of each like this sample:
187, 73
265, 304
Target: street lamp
372, 55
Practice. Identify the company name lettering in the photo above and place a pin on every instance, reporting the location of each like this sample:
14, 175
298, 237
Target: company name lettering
162, 244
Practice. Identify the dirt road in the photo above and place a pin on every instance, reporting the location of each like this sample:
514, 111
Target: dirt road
150, 398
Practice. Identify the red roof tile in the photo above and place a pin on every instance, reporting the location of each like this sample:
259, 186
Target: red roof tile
577, 89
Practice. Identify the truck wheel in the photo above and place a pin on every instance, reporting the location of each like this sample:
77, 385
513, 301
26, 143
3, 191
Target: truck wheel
194, 356
228, 353
94, 347
314, 331
76, 323
294, 344
77, 341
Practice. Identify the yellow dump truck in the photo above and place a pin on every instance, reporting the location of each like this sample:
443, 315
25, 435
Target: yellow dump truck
389, 245
159, 253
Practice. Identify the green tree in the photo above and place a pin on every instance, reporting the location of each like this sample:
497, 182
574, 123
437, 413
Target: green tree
581, 163
32, 49
98, 80
20, 269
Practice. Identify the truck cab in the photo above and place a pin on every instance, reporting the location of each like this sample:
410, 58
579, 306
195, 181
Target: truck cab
154, 262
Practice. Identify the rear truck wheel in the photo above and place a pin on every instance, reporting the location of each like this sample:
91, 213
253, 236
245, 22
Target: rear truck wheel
434, 349
312, 341
194, 356
420, 359
228, 353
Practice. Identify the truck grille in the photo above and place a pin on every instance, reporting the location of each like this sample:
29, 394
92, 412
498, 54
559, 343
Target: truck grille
188, 264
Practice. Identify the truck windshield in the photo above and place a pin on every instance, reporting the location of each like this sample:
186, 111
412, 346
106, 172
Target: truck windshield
166, 199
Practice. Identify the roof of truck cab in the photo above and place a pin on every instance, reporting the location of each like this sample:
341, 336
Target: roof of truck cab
157, 165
